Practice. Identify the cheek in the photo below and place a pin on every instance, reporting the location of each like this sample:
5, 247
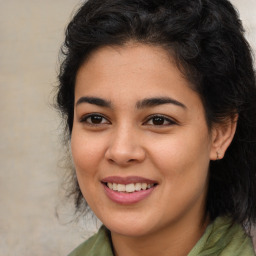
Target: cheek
181, 154
86, 152
183, 163
86, 155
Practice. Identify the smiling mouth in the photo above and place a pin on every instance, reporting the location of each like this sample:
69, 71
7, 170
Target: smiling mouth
129, 188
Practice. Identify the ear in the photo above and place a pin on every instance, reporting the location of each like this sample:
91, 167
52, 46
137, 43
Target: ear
222, 136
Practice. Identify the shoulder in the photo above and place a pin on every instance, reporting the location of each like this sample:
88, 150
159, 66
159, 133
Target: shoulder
99, 244
224, 238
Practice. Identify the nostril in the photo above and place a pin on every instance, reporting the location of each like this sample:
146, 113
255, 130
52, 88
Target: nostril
121, 162
131, 160
111, 160
124, 155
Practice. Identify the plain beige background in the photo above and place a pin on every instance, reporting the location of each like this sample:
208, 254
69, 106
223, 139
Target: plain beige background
31, 33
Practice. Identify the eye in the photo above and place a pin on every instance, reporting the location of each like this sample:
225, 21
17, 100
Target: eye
94, 119
159, 120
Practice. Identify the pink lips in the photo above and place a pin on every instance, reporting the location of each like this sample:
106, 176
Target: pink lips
127, 198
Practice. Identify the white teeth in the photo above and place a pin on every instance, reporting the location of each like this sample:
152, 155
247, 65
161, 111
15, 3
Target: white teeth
129, 188
110, 185
121, 187
144, 186
114, 186
138, 186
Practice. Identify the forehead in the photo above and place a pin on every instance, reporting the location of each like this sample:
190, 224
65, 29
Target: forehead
128, 56
132, 72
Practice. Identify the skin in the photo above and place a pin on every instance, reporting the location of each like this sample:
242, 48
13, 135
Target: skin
126, 141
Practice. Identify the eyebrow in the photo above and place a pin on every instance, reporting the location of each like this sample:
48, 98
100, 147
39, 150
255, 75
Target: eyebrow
152, 102
148, 102
95, 101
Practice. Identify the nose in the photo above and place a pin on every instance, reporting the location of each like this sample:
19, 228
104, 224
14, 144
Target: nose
125, 148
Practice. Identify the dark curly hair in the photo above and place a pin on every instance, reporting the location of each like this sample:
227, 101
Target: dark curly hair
206, 38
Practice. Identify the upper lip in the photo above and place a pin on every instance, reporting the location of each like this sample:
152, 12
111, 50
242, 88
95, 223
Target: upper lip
127, 180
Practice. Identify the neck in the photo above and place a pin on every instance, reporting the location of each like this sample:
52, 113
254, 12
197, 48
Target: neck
173, 240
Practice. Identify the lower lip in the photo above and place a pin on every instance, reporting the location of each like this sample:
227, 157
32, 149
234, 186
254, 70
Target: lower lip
127, 198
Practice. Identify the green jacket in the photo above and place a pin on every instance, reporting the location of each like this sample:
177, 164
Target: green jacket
219, 239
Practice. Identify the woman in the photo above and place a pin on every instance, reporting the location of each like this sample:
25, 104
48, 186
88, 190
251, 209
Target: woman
159, 100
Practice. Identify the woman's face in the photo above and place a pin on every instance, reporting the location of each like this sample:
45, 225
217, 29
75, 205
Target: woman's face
140, 143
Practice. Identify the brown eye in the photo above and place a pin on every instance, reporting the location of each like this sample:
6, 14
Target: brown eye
94, 119
159, 120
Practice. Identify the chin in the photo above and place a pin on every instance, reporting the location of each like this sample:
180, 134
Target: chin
133, 227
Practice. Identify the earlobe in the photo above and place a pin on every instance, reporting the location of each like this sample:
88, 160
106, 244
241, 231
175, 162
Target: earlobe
222, 136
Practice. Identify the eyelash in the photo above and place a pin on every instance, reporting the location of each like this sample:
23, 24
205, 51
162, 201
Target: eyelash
166, 121
85, 119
